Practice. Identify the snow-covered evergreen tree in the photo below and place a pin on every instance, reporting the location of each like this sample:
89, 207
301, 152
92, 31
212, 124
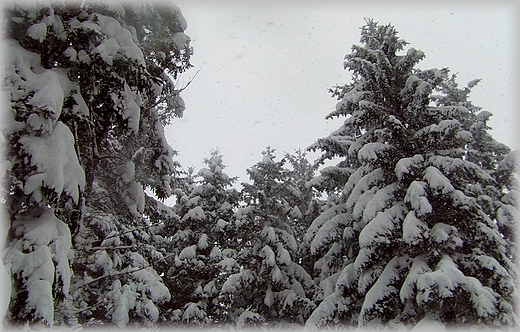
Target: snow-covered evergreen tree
198, 244
424, 227
299, 192
269, 286
90, 87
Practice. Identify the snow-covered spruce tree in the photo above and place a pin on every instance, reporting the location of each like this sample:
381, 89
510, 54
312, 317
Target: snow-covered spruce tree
299, 192
90, 89
424, 228
269, 286
198, 244
306, 202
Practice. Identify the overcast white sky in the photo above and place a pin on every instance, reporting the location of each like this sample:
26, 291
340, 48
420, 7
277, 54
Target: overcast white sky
266, 66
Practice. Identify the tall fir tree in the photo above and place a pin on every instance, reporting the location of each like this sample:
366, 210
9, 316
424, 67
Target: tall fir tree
91, 86
270, 286
199, 246
300, 193
424, 227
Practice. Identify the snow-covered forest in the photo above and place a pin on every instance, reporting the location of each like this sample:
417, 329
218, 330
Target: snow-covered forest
414, 226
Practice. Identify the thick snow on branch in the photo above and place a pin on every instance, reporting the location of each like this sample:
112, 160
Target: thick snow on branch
507, 216
347, 278
245, 317
383, 288
369, 275
365, 183
180, 39
150, 282
379, 202
325, 263
123, 302
119, 39
332, 229
48, 96
228, 264
129, 103
428, 324
452, 165
268, 255
283, 256
447, 235
127, 171
193, 311
299, 273
57, 166
419, 268
406, 165
325, 312
510, 162
322, 219
49, 87
196, 214
135, 198
483, 298
269, 234
382, 227
234, 281
132, 110
203, 242
445, 127
437, 180
440, 283
370, 151
416, 196
350, 101
40, 257
444, 280
277, 275
355, 177
362, 202
414, 229
188, 252
38, 31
